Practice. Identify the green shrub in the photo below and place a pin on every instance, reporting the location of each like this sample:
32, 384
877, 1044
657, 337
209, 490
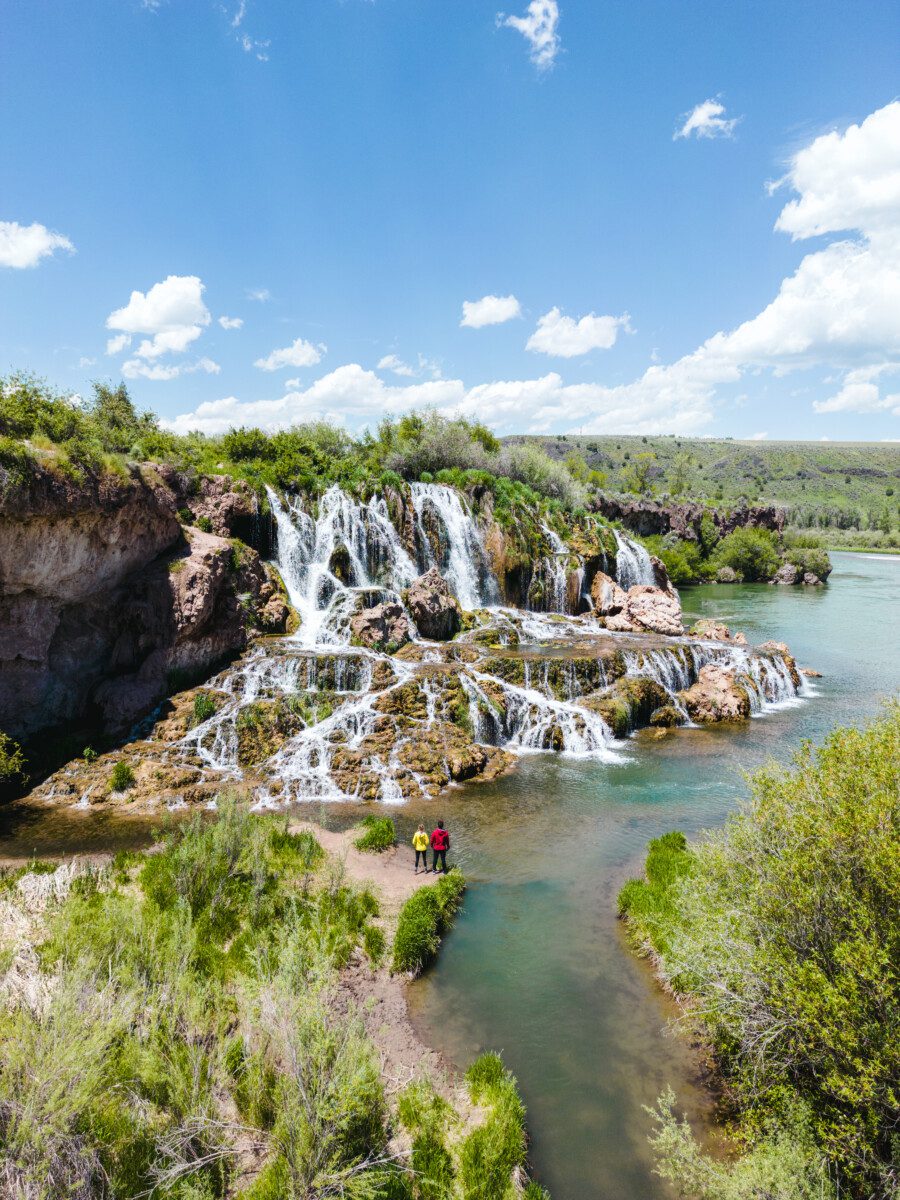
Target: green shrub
204, 524
89, 754
205, 707
649, 904
380, 834
751, 552
121, 777
424, 918
492, 1151
12, 759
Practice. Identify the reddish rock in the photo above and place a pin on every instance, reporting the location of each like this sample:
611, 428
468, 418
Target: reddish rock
654, 610
716, 696
383, 625
607, 596
716, 631
433, 607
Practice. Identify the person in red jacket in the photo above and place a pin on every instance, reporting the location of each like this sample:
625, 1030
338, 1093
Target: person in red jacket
440, 844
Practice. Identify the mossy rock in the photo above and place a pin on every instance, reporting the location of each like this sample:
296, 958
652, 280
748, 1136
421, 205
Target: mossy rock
666, 717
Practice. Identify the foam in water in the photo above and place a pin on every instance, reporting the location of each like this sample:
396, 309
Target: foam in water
633, 564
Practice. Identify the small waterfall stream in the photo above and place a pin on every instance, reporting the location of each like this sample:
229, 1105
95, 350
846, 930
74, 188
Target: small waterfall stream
463, 562
633, 564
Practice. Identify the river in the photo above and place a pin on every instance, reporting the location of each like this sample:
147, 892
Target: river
536, 966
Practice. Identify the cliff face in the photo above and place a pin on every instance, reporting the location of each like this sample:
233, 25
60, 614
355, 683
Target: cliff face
648, 517
103, 595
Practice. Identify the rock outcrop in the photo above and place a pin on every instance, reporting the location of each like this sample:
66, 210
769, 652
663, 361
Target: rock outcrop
716, 631
608, 598
647, 517
103, 595
381, 626
433, 607
716, 696
646, 609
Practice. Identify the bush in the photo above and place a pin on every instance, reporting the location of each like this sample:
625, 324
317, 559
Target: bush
121, 778
380, 834
204, 708
784, 934
751, 552
12, 760
649, 904
424, 918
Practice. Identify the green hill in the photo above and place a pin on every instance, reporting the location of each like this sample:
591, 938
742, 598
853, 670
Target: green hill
849, 490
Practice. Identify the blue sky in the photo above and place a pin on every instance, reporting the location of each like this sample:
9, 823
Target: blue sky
342, 176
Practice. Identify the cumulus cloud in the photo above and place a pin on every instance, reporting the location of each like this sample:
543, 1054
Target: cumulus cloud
707, 120
861, 393
231, 322
172, 313
391, 362
565, 337
136, 368
539, 28
23, 246
298, 354
115, 345
489, 310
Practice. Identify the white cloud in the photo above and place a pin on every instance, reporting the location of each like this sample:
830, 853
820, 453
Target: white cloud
239, 14
565, 337
861, 393
231, 322
84, 361
489, 310
707, 120
260, 295
136, 368
115, 345
171, 312
391, 362
259, 49
24, 246
298, 354
291, 384
539, 28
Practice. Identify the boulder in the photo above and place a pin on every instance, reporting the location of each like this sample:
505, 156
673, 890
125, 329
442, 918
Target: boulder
654, 610
811, 579
660, 574
716, 631
433, 607
608, 598
383, 625
727, 575
786, 575
810, 673
716, 696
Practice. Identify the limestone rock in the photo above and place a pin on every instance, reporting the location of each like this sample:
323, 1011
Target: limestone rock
810, 673
786, 575
383, 625
811, 579
716, 631
607, 596
716, 696
433, 607
654, 610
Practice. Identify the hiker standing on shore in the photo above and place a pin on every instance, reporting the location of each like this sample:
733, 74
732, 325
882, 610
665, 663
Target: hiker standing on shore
420, 845
440, 844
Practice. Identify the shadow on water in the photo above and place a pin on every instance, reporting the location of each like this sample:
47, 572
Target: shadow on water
537, 966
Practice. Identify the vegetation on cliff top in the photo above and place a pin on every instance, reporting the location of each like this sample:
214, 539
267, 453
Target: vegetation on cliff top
179, 1031
781, 932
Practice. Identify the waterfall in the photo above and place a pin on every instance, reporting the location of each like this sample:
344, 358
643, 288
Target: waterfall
462, 559
633, 564
553, 569
360, 536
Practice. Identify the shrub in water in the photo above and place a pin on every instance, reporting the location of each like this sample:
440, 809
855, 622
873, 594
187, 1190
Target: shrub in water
121, 778
204, 708
380, 834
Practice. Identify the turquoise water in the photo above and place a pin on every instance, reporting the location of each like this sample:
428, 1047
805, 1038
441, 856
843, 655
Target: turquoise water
536, 966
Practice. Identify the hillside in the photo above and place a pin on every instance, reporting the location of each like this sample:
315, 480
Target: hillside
841, 487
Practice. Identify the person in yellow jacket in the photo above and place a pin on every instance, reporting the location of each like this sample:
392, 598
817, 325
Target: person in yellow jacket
420, 845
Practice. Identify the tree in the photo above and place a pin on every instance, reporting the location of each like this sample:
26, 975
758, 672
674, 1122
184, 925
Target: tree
682, 473
118, 423
638, 476
750, 552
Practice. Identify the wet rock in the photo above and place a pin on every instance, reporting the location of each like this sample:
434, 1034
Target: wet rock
608, 598
786, 575
660, 574
628, 703
780, 649
339, 564
381, 627
810, 673
716, 631
666, 717
433, 607
716, 696
811, 579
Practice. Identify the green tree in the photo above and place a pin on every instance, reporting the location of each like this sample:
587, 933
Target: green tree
750, 552
638, 476
682, 473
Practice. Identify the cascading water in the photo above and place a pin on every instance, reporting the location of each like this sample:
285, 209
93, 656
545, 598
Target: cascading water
463, 560
633, 565
554, 574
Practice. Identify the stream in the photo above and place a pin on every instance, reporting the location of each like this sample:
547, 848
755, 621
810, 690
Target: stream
537, 966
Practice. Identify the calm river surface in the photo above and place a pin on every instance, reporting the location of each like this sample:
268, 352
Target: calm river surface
536, 966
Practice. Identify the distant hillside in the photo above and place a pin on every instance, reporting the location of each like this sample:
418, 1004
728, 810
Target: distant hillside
830, 485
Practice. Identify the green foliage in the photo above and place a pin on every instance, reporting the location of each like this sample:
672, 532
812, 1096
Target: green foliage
638, 476
121, 777
424, 919
12, 759
491, 1152
204, 524
380, 834
205, 707
750, 552
649, 904
784, 933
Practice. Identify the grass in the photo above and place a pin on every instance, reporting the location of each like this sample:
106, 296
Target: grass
647, 904
380, 834
424, 919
